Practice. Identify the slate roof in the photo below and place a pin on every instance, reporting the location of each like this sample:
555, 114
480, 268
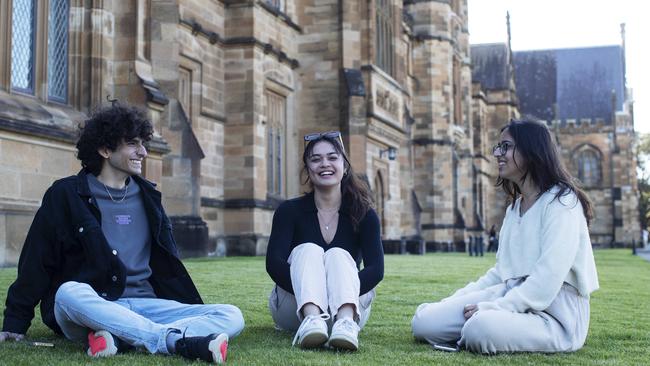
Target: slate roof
579, 80
572, 83
490, 65
536, 81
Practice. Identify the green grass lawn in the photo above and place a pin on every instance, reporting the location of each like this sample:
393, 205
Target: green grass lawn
619, 332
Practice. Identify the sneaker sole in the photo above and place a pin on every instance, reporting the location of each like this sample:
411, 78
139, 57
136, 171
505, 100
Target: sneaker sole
219, 348
313, 340
344, 343
101, 344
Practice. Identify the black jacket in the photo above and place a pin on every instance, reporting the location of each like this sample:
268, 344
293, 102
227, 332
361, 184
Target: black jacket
66, 243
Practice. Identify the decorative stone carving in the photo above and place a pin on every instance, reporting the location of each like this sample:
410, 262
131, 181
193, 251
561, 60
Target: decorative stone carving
387, 101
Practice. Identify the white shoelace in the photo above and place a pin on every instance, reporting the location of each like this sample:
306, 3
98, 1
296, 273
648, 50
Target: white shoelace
305, 323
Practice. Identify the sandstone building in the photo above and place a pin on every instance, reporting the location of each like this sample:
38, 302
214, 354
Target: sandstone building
581, 94
233, 85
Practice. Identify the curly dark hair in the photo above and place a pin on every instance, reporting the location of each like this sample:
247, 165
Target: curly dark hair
353, 188
109, 127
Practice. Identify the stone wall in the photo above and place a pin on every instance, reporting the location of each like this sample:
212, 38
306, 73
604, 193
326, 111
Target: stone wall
615, 196
37, 135
203, 71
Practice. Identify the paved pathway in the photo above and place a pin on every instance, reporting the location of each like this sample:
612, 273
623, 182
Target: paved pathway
644, 253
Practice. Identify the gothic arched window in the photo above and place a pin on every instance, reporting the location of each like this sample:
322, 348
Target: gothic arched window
588, 162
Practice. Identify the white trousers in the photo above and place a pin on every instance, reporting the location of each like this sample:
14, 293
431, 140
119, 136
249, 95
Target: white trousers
562, 327
328, 279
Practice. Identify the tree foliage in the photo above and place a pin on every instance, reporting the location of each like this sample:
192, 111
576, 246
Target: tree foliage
643, 173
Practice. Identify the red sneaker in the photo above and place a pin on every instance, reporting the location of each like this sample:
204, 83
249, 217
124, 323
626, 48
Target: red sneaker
101, 344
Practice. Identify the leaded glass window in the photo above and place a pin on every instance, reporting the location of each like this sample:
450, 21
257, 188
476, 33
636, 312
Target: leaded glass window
57, 51
384, 49
23, 21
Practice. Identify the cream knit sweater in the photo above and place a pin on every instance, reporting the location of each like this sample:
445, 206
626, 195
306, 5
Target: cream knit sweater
550, 245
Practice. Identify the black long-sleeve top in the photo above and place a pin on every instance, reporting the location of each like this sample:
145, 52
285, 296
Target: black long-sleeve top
296, 222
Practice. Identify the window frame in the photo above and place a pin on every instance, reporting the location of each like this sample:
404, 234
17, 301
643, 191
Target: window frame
592, 158
384, 45
48, 80
30, 90
457, 96
456, 7
185, 79
276, 143
380, 197
280, 5
40, 89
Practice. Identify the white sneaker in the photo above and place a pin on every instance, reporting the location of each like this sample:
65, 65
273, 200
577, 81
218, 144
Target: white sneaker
312, 332
345, 333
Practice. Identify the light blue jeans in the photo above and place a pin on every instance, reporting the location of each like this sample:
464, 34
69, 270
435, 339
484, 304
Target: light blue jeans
140, 322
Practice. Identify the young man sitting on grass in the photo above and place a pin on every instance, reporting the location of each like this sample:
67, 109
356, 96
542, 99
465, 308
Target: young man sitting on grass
101, 259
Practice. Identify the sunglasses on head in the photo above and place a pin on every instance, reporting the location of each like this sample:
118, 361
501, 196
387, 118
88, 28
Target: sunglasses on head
329, 135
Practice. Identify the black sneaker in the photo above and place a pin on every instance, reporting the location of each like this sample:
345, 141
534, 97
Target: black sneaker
212, 348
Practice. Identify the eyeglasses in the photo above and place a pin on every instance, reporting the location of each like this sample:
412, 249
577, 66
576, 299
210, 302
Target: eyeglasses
501, 148
329, 135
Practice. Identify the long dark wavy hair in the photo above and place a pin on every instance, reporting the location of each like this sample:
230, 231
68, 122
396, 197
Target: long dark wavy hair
543, 165
109, 127
353, 189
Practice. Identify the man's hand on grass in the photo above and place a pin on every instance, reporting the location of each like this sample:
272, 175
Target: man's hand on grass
5, 336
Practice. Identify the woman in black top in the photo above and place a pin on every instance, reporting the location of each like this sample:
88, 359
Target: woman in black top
315, 250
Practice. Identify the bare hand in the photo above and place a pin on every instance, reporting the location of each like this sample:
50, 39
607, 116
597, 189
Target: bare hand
469, 310
5, 336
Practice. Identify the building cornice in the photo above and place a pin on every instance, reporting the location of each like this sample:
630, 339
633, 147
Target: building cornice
213, 37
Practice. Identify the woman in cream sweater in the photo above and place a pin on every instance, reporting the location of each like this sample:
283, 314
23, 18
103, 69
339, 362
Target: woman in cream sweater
536, 297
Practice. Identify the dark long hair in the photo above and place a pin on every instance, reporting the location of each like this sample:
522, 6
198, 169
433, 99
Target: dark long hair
543, 165
353, 189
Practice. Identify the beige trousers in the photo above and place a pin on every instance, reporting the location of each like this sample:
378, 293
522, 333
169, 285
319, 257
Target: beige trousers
329, 279
562, 327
